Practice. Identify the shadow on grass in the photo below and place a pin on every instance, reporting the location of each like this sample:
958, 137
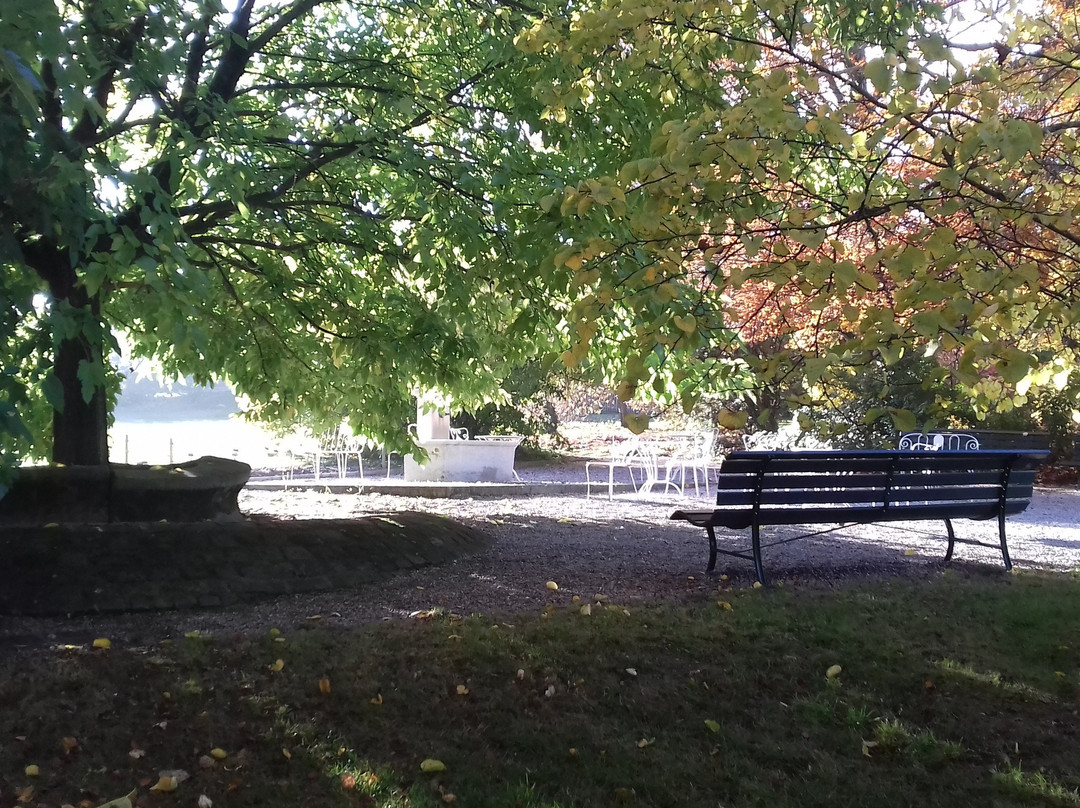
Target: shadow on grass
957, 691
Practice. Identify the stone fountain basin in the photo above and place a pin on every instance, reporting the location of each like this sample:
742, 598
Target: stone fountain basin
485, 459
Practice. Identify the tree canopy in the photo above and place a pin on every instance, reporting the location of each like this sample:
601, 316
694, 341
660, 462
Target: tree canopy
335, 204
314, 200
855, 182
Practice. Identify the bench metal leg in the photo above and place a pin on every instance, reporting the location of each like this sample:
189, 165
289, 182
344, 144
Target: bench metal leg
952, 539
1004, 546
756, 539
712, 548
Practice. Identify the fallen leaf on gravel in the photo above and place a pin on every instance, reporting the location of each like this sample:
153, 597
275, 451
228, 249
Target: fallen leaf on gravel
462, 690
32, 770
711, 725
377, 700
217, 753
103, 643
277, 666
552, 585
586, 609
205, 801
324, 686
68, 744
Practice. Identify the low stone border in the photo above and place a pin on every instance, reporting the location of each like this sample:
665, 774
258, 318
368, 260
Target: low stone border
73, 569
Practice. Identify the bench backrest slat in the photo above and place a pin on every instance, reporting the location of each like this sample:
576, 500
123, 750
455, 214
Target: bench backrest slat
876, 477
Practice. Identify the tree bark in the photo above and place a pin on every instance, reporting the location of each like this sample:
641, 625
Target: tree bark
81, 430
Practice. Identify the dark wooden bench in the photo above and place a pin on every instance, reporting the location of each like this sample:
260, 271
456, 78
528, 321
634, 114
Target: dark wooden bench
860, 487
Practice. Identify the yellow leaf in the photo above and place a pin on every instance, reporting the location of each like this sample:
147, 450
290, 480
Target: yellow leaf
448, 798
275, 632
68, 744
324, 685
377, 700
101, 642
32, 770
120, 802
430, 765
217, 753
462, 690
757, 584
726, 419
586, 609
645, 742
909, 552
164, 784
723, 604
711, 725
636, 423
287, 754
278, 665
552, 585
833, 671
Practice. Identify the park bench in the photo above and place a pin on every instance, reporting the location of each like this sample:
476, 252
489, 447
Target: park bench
846, 488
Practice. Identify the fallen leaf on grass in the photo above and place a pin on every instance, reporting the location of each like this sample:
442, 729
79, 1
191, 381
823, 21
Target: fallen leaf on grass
713, 726
723, 604
462, 690
324, 686
32, 770
217, 753
287, 754
833, 671
431, 765
205, 802
277, 666
69, 744
867, 746
377, 700
348, 782
586, 609
165, 784
120, 802
645, 742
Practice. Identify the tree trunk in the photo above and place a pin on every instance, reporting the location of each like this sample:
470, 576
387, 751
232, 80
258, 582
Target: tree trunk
81, 430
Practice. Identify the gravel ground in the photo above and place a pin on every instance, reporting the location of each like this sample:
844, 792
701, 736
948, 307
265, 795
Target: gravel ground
626, 548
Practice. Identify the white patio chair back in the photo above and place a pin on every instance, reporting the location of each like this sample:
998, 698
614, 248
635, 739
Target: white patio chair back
938, 441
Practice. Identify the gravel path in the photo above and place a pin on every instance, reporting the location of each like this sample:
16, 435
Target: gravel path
625, 548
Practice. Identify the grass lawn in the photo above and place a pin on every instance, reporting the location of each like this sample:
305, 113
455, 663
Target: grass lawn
958, 691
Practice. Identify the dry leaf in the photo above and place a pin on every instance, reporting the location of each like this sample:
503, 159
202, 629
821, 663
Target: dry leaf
102, 642
377, 700
136, 753
164, 784
430, 765
68, 744
552, 585
205, 802
723, 604
645, 742
632, 671
277, 666
206, 762
324, 685
448, 798
348, 782
521, 674
217, 753
713, 726
462, 690
287, 754
833, 671
32, 770
586, 609
24, 794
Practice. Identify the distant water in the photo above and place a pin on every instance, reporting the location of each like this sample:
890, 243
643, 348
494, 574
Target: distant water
166, 442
